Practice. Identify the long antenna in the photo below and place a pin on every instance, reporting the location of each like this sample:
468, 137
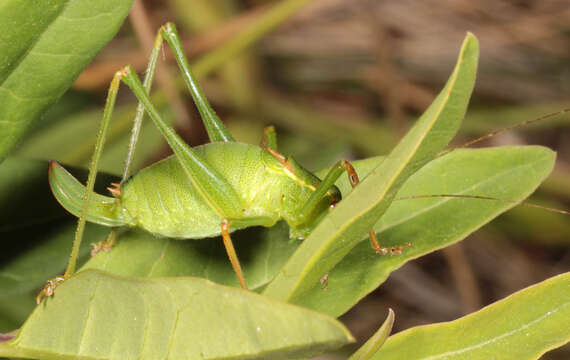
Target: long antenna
500, 131
480, 197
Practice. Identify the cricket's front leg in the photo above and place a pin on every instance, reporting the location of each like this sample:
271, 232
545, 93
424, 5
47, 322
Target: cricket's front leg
354, 181
334, 173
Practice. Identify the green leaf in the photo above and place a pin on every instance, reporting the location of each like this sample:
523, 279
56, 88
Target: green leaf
510, 173
44, 47
14, 310
103, 316
32, 268
344, 227
522, 326
376, 341
262, 253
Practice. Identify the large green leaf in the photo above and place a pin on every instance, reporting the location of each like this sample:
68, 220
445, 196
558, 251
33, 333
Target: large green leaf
44, 47
522, 326
96, 315
344, 227
510, 173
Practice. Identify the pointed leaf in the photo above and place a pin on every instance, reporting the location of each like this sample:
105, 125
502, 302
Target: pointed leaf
376, 341
510, 173
344, 227
101, 316
44, 47
522, 326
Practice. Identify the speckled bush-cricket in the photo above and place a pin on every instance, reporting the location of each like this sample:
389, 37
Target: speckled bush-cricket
199, 192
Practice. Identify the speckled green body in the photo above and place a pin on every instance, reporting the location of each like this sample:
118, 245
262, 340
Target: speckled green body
162, 199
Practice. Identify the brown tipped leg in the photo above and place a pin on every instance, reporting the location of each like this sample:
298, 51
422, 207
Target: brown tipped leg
353, 178
104, 245
232, 252
383, 250
49, 288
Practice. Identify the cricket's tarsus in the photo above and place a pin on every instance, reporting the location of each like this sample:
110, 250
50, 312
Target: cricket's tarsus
49, 288
104, 245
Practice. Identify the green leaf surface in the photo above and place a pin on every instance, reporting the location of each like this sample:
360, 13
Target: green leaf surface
101, 316
262, 252
44, 47
522, 326
14, 310
344, 227
30, 270
510, 173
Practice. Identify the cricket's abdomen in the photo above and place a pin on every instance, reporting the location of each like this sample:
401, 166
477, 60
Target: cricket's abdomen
162, 200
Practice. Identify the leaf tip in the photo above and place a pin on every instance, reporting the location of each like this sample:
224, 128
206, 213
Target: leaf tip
391, 315
471, 42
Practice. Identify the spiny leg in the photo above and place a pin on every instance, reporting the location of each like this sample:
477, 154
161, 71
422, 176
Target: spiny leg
217, 131
215, 127
354, 180
109, 106
139, 115
93, 167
